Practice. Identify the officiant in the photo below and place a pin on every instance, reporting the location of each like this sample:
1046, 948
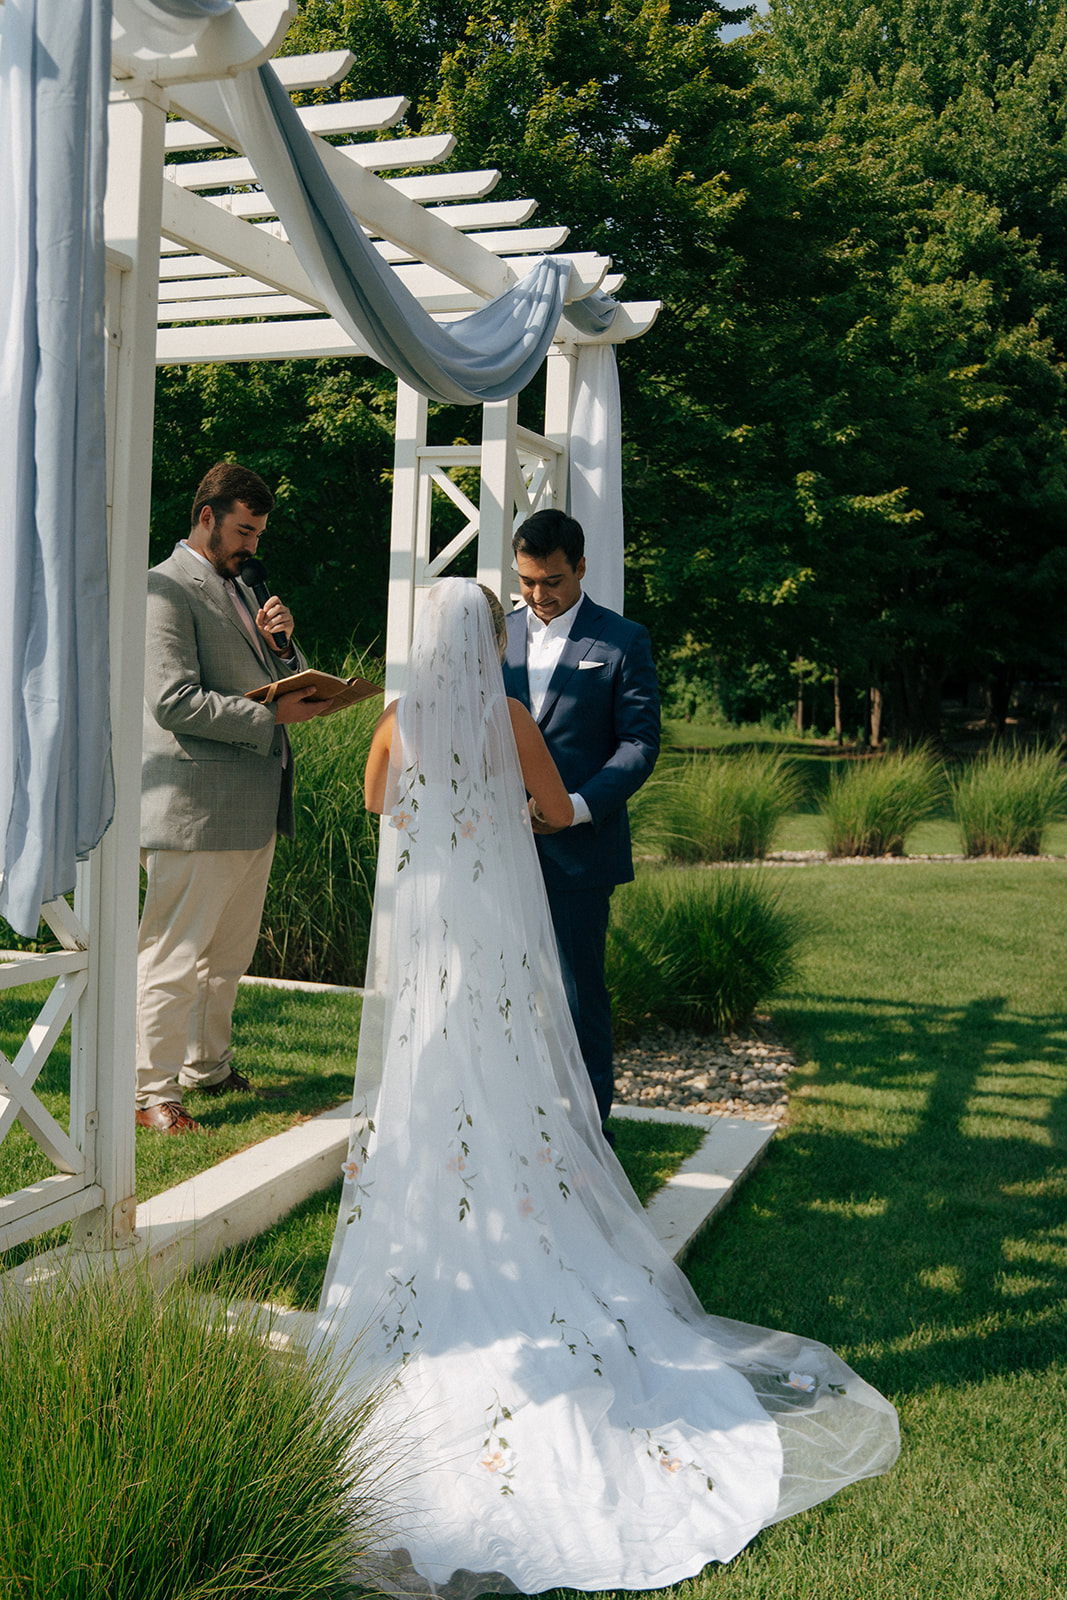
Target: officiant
216, 789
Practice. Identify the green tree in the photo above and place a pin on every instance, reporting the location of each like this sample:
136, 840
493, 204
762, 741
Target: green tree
957, 309
320, 433
844, 437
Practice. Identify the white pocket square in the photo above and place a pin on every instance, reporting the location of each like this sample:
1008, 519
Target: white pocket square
586, 666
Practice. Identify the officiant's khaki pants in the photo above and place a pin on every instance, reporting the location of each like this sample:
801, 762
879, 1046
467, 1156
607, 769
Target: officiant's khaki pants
198, 932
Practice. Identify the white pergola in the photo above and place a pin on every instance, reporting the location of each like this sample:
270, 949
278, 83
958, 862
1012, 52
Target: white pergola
199, 273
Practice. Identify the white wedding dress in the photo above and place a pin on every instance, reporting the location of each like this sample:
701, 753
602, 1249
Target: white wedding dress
574, 1417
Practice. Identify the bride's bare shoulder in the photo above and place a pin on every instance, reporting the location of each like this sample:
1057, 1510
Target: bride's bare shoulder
520, 717
377, 768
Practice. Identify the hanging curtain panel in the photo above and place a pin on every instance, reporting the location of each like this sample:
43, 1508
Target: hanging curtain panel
594, 483
56, 790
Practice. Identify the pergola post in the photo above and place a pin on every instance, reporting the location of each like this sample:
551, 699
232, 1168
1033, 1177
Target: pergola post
496, 498
560, 372
103, 1026
408, 519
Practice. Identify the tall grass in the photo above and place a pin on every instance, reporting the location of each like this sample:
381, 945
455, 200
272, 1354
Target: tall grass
151, 1454
870, 807
1005, 802
696, 949
316, 921
715, 807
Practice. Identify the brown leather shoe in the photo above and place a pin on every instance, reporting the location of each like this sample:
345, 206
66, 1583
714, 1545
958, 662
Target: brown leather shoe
234, 1084
167, 1117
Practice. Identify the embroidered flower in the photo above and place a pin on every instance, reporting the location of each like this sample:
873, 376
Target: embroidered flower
468, 829
544, 1155
400, 819
494, 1461
802, 1381
457, 1164
526, 1206
351, 1170
670, 1463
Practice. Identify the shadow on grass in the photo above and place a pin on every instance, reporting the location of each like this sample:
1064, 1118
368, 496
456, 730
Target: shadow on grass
913, 1215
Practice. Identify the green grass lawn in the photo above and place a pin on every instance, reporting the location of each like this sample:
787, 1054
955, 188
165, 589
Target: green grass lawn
301, 1047
913, 1214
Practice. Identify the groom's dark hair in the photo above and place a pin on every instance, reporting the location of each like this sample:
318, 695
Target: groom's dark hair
550, 530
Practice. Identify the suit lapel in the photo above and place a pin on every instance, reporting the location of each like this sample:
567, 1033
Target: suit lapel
583, 636
213, 590
515, 659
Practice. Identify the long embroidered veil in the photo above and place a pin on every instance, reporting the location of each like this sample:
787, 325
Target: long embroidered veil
489, 1249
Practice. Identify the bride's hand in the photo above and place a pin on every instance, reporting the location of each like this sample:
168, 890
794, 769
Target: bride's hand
539, 822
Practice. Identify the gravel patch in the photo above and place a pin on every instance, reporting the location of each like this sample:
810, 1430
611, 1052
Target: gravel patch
743, 1075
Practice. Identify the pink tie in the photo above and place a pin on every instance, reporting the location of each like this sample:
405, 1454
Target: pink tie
242, 612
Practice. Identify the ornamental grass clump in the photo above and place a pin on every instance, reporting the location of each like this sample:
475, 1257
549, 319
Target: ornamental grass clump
316, 920
150, 1452
696, 949
870, 807
1005, 801
716, 807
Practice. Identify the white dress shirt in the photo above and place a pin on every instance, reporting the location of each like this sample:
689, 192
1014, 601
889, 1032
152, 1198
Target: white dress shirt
544, 646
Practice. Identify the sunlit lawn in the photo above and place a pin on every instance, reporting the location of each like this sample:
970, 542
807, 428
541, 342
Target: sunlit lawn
914, 1214
300, 1048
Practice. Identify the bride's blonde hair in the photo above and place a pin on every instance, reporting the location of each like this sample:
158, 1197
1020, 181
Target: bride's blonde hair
500, 621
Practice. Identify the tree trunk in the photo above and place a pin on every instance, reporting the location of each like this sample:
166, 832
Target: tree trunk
876, 718
838, 734
999, 691
800, 694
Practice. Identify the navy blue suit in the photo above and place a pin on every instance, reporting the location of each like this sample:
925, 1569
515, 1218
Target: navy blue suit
601, 723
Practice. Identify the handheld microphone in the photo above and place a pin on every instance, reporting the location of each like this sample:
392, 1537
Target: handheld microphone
254, 574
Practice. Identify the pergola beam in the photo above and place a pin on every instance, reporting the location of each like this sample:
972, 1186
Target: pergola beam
380, 155
345, 116
319, 70
314, 337
384, 210
191, 274
195, 223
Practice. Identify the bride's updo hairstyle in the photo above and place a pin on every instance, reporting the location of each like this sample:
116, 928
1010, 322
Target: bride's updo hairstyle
500, 621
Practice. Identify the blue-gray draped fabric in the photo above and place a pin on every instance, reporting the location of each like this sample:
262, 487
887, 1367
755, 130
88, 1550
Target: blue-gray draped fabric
489, 355
56, 788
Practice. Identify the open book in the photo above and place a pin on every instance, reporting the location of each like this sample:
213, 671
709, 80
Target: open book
342, 691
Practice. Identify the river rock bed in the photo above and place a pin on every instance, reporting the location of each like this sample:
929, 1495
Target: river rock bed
743, 1075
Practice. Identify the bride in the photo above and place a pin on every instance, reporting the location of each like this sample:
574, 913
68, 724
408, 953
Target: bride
580, 1421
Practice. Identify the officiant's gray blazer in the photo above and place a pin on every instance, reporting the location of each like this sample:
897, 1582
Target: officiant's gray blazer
216, 772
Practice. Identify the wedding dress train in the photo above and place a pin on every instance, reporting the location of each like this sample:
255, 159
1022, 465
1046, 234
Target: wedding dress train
577, 1419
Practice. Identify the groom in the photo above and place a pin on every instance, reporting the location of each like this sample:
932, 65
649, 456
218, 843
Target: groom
587, 676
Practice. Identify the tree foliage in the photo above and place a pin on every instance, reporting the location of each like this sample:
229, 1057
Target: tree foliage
844, 437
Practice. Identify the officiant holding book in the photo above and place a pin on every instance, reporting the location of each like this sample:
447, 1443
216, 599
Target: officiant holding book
216, 789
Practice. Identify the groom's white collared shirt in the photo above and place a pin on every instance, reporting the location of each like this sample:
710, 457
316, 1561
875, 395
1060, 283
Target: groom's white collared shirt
544, 646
